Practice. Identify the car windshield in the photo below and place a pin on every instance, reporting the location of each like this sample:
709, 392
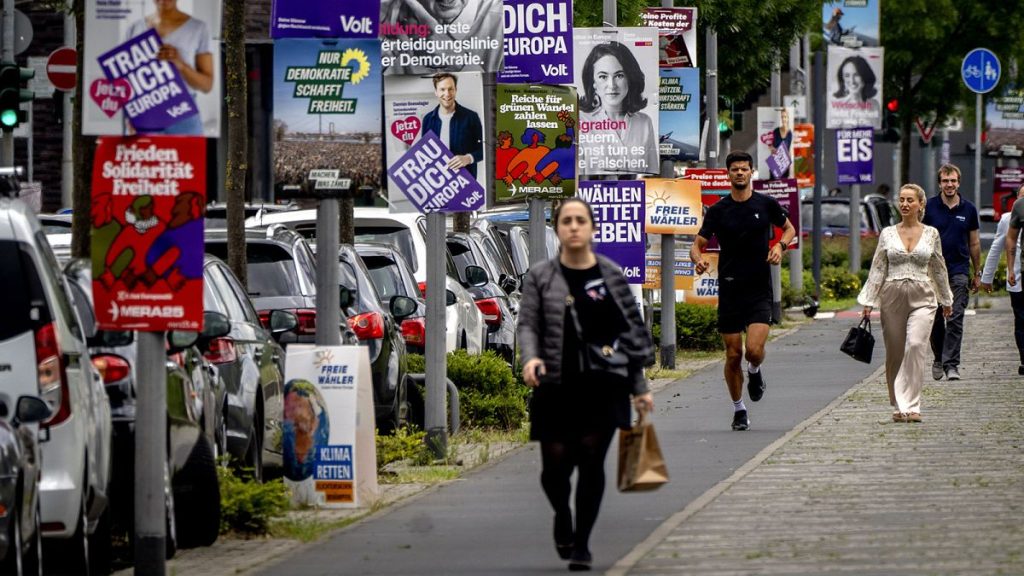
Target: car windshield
399, 237
270, 270
462, 256
833, 215
386, 277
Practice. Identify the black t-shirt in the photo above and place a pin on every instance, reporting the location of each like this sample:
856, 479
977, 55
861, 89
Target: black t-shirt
743, 230
600, 318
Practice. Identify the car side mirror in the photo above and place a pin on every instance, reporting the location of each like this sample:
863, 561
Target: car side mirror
282, 321
476, 276
402, 307
31, 409
215, 325
346, 296
508, 283
449, 298
178, 340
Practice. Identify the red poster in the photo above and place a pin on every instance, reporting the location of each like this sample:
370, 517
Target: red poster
803, 155
148, 201
712, 180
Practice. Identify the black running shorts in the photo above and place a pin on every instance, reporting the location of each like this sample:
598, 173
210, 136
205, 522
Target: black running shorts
741, 306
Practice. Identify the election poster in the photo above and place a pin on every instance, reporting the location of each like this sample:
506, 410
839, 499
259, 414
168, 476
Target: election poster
328, 452
682, 270
677, 35
788, 195
444, 36
617, 79
854, 95
146, 220
679, 114
851, 23
537, 42
427, 176
705, 286
448, 104
324, 19
536, 139
774, 142
673, 206
327, 112
855, 156
618, 222
803, 155
712, 180
1005, 183
141, 80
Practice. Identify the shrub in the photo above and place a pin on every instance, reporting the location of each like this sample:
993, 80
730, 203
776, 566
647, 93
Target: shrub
405, 443
837, 283
697, 327
247, 506
489, 393
416, 363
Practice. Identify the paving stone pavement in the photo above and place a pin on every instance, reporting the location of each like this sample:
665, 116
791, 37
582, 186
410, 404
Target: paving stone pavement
849, 491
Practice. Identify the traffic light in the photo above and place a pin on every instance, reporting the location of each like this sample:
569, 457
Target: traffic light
891, 122
12, 94
725, 118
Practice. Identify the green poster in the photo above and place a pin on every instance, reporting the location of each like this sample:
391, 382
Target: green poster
536, 139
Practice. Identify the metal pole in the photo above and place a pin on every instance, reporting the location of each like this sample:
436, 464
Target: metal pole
328, 296
776, 269
150, 454
668, 280
67, 182
929, 169
855, 228
7, 52
711, 61
435, 417
796, 259
818, 77
978, 102
537, 231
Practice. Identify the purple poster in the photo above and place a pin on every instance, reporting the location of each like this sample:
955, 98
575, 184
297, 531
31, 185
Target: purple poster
538, 42
855, 155
424, 175
787, 192
324, 19
618, 222
154, 93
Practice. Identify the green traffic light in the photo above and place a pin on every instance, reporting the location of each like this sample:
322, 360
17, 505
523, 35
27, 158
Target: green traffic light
723, 126
9, 118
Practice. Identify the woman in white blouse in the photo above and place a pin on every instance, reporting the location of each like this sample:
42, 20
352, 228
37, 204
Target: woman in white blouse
908, 275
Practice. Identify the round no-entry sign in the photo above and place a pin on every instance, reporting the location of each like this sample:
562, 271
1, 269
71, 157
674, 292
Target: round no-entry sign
60, 68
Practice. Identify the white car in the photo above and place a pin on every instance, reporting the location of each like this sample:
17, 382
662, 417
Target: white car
464, 325
43, 352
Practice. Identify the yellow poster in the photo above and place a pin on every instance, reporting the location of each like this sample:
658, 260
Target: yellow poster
705, 287
673, 206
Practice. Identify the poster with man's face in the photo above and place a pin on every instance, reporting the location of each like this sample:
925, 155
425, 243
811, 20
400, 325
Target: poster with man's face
430, 36
850, 22
152, 67
617, 79
449, 105
854, 94
774, 142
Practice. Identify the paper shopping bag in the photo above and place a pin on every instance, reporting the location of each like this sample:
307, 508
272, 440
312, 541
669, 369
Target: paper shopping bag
641, 465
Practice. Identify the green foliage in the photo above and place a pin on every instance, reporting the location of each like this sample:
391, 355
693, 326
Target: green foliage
589, 13
247, 506
792, 297
838, 283
405, 443
490, 396
416, 363
697, 327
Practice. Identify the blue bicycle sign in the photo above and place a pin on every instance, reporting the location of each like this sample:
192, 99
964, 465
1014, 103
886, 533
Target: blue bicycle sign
980, 70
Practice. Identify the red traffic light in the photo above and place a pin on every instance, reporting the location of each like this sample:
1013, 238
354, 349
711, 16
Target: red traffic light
892, 105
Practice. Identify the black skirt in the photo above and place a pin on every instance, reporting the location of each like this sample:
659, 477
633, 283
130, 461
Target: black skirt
578, 405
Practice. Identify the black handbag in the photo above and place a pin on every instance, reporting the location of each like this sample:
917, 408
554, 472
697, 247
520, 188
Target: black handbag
598, 357
859, 343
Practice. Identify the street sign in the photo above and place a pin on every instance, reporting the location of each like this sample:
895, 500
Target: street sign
39, 83
60, 68
980, 70
926, 130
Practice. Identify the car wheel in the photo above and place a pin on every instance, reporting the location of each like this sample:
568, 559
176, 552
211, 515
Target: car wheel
13, 562
220, 441
197, 498
464, 342
101, 546
32, 560
253, 463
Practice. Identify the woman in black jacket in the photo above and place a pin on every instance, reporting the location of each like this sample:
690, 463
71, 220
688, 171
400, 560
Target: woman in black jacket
575, 408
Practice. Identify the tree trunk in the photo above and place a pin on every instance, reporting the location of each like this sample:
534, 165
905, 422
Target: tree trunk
81, 150
906, 130
236, 93
460, 222
347, 218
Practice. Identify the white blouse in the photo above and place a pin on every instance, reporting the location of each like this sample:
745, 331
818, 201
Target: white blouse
892, 262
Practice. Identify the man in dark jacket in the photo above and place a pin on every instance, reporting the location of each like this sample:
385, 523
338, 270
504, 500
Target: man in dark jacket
457, 126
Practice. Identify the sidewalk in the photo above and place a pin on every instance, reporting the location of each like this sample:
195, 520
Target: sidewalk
850, 491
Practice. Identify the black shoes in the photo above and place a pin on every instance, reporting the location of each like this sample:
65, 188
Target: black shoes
740, 420
580, 560
563, 535
755, 385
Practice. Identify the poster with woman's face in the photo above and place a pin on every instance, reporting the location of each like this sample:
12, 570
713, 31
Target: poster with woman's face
617, 79
854, 96
774, 142
165, 84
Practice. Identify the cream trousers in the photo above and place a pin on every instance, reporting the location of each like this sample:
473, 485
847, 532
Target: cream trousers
907, 309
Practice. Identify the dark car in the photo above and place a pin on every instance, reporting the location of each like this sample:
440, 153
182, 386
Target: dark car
21, 538
280, 275
195, 390
251, 363
392, 276
876, 212
510, 229
376, 326
490, 298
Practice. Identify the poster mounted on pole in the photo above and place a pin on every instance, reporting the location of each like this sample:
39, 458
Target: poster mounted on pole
786, 192
803, 155
327, 111
146, 216
618, 222
854, 96
855, 156
440, 36
414, 105
537, 42
1005, 183
774, 142
427, 175
677, 35
142, 81
852, 23
536, 137
617, 79
673, 207
324, 19
679, 114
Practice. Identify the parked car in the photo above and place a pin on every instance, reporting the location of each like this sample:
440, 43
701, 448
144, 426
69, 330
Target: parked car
377, 328
391, 276
21, 539
195, 391
217, 212
511, 229
280, 275
45, 349
479, 277
251, 363
876, 212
